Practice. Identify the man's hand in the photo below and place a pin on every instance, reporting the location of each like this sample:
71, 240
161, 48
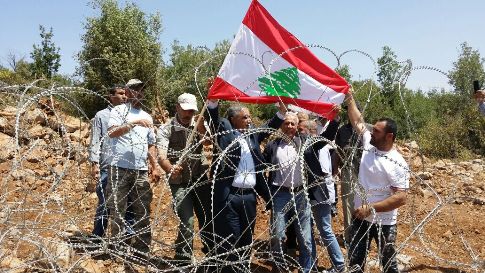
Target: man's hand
143, 122
176, 170
200, 125
282, 107
363, 212
479, 96
155, 176
95, 171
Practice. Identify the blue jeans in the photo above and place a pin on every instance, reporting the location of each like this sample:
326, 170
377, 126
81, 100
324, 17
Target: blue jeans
101, 217
323, 220
289, 206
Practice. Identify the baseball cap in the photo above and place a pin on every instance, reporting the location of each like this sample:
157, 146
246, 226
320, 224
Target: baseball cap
187, 102
133, 82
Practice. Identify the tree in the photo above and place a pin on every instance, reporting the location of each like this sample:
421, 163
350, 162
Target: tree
46, 57
344, 71
389, 71
178, 76
120, 44
466, 69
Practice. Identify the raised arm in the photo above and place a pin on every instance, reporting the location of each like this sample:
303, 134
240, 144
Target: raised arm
355, 116
274, 123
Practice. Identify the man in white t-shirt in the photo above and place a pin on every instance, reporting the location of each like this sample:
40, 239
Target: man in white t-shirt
132, 143
383, 182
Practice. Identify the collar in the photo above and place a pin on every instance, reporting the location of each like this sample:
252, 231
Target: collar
180, 127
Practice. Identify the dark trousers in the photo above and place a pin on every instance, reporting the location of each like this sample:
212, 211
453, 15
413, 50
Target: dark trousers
234, 227
187, 199
102, 212
291, 236
363, 233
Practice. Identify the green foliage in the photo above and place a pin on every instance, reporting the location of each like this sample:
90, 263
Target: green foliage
433, 119
46, 57
466, 69
178, 76
22, 75
344, 71
120, 44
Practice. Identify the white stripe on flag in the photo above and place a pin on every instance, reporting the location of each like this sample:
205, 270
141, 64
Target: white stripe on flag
249, 59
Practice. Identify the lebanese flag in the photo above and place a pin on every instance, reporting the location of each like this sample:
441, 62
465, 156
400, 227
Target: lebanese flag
266, 64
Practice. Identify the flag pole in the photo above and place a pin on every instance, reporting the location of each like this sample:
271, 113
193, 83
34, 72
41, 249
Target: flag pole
199, 119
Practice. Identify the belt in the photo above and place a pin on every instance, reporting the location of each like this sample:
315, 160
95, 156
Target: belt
288, 189
241, 191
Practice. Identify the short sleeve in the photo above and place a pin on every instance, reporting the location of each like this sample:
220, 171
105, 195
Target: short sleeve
399, 175
163, 136
151, 138
366, 136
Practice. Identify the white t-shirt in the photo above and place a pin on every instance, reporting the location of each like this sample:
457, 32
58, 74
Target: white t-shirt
130, 151
379, 172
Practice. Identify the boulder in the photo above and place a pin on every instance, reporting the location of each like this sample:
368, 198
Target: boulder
7, 150
6, 126
12, 264
440, 165
424, 175
35, 116
67, 123
413, 145
8, 111
39, 131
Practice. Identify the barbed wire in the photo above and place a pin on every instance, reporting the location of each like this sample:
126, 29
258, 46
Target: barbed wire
46, 215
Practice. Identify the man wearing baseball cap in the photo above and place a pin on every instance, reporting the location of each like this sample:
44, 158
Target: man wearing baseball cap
186, 168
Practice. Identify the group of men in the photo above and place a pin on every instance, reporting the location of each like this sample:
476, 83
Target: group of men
293, 174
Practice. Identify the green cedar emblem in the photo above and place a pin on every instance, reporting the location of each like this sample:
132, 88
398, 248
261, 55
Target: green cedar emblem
283, 83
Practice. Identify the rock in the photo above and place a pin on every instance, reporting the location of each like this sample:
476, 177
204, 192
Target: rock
8, 111
477, 161
6, 126
38, 154
440, 165
39, 131
465, 164
424, 175
476, 167
67, 123
413, 145
403, 260
92, 266
60, 250
71, 229
7, 144
426, 193
448, 234
79, 135
13, 264
479, 201
35, 116
21, 174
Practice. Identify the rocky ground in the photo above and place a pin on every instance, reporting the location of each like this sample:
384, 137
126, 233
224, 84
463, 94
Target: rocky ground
44, 202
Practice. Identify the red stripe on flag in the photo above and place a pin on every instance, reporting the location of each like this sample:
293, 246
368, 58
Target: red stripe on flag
268, 30
225, 91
